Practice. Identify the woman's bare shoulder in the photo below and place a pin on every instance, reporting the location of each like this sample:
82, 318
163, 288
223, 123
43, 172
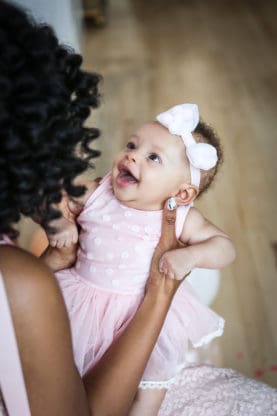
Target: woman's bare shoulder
28, 281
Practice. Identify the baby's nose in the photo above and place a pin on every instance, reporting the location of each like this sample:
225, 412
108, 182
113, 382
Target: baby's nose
132, 156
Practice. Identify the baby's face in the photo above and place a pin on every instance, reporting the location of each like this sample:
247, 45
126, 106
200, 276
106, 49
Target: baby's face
150, 169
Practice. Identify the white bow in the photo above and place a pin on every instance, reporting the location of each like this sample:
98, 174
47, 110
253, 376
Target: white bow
182, 120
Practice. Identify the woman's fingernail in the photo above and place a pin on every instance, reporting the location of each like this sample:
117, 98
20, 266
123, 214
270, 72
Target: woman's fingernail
171, 204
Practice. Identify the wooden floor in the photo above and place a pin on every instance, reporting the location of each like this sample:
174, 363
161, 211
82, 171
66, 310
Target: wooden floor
221, 55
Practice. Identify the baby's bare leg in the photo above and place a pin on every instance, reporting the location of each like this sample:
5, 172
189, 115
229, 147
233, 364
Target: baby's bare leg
147, 402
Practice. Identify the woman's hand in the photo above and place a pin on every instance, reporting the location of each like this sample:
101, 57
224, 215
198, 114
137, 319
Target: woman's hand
178, 263
160, 273
59, 258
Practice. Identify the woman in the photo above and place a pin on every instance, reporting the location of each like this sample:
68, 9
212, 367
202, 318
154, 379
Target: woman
45, 100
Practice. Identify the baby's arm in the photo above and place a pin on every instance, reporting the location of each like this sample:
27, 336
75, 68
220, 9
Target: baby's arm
205, 246
66, 230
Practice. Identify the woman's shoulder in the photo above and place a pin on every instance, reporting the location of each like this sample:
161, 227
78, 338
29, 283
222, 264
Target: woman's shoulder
28, 281
16, 263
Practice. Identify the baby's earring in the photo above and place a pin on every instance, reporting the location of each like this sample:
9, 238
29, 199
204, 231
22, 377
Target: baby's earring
171, 204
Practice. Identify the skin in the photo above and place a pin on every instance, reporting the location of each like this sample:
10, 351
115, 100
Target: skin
157, 160
43, 336
58, 258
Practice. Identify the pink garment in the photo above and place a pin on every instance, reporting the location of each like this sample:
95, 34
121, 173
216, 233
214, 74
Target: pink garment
104, 289
12, 383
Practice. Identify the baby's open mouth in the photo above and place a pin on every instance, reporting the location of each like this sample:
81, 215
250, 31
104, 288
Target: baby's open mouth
127, 176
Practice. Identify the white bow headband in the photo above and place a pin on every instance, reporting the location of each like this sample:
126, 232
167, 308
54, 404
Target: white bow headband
182, 120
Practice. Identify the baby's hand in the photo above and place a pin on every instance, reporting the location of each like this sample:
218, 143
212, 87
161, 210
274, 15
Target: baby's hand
65, 235
176, 264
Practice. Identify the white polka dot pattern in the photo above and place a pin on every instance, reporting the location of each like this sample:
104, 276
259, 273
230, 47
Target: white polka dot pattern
118, 242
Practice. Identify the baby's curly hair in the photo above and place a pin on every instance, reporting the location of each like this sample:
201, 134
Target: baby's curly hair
205, 133
45, 99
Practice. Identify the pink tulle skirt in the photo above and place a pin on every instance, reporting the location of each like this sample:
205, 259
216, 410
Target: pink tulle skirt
98, 316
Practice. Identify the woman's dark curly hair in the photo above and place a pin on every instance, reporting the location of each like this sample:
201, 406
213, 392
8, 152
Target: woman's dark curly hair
45, 99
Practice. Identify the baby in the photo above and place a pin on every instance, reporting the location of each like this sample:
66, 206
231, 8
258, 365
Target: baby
174, 157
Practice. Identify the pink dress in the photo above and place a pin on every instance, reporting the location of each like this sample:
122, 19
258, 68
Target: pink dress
104, 289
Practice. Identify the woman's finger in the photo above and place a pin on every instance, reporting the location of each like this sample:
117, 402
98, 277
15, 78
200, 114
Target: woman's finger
168, 238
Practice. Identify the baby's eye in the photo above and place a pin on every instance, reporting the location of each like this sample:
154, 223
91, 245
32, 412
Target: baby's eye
155, 157
131, 145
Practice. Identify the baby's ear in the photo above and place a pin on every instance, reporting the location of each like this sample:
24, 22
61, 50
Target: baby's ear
186, 194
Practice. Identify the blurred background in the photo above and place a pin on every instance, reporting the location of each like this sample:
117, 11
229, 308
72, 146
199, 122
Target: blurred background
220, 54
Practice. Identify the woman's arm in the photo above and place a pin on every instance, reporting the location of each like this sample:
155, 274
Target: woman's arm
53, 384
112, 384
